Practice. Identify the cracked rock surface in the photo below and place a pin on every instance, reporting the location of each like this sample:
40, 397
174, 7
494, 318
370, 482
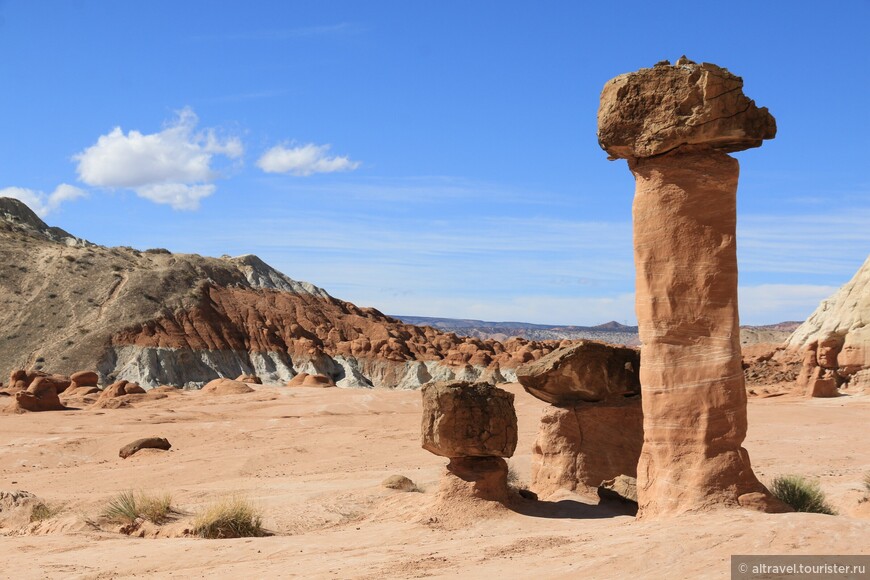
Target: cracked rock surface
463, 419
656, 110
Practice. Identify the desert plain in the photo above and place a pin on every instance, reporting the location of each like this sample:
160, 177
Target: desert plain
313, 461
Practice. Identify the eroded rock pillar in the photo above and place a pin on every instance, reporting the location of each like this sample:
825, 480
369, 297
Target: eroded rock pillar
675, 125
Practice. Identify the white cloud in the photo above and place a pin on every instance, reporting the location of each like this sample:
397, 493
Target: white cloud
303, 160
178, 195
173, 166
43, 204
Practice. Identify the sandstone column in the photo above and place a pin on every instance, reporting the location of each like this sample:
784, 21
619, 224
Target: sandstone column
675, 126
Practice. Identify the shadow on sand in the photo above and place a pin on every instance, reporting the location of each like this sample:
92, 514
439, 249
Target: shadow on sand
572, 509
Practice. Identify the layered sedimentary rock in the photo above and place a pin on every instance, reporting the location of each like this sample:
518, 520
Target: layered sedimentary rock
675, 125
475, 425
835, 340
578, 447
154, 318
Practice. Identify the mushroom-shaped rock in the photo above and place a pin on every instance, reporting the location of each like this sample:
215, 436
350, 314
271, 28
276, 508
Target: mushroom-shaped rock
657, 110
675, 125
226, 387
41, 395
146, 443
584, 372
463, 419
253, 379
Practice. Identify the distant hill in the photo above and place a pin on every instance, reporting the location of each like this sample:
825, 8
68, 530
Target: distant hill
612, 331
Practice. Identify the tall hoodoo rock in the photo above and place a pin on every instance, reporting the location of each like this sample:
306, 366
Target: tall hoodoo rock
674, 125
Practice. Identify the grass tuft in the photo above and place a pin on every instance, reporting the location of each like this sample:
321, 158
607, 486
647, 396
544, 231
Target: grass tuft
43, 511
801, 494
127, 507
867, 481
233, 517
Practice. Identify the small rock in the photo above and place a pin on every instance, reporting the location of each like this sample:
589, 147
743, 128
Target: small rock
146, 443
399, 482
622, 488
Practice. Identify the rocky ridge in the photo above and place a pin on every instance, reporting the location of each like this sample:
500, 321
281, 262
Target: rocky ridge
154, 317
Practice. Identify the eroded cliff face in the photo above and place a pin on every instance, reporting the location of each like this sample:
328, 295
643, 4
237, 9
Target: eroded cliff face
835, 340
153, 317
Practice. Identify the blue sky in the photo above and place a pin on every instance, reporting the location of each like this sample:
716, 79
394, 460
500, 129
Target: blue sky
435, 159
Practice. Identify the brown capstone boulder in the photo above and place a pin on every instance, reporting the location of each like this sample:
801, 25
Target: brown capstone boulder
306, 380
656, 110
464, 419
253, 379
84, 379
587, 371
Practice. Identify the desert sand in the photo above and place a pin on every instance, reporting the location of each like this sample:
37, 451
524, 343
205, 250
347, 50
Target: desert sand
313, 460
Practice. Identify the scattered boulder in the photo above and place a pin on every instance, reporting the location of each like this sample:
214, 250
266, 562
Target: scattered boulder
306, 380
399, 482
146, 443
84, 379
253, 379
587, 371
226, 387
118, 394
621, 488
463, 419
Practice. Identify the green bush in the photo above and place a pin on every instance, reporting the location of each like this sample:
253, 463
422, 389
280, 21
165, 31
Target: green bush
801, 494
233, 517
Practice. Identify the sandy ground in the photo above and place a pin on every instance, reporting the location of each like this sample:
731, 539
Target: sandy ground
313, 461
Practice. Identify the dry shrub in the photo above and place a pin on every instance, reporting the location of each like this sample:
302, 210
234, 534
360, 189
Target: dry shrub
801, 494
43, 511
128, 506
232, 517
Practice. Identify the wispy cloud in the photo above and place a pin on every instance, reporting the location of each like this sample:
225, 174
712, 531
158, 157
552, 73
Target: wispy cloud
173, 166
830, 242
42, 203
304, 160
